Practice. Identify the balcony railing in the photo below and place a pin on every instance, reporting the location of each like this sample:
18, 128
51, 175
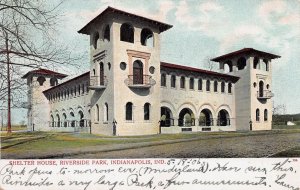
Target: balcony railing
208, 122
186, 123
265, 94
139, 81
167, 123
98, 82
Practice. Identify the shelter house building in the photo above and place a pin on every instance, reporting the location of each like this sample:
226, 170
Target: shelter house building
129, 91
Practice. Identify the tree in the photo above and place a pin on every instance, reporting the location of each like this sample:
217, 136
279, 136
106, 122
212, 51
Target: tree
208, 64
27, 39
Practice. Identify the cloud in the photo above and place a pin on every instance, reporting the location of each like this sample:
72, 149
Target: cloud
269, 9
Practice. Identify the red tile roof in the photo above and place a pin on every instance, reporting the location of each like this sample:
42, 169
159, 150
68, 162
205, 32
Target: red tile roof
192, 69
45, 72
68, 81
243, 51
161, 26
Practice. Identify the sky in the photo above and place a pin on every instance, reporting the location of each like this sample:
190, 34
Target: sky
205, 29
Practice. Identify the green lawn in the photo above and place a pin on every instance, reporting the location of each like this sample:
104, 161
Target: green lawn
285, 126
15, 128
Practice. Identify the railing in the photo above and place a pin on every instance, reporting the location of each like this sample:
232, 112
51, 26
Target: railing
265, 94
186, 123
167, 123
209, 122
98, 82
73, 123
140, 81
223, 122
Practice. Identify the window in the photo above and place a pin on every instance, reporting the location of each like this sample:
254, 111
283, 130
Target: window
199, 84
82, 88
129, 111
223, 87
192, 83
65, 119
147, 37
256, 63
207, 85
266, 115
127, 33
147, 111
163, 80
41, 80
101, 73
228, 67
229, 87
265, 65
261, 89
173, 81
53, 82
241, 64
105, 112
257, 115
58, 120
95, 41
106, 35
79, 89
216, 86
182, 82
97, 113
138, 72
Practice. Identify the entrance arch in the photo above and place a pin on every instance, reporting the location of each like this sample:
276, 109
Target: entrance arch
186, 118
166, 117
223, 118
205, 118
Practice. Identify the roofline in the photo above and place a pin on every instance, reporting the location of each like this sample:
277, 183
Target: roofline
244, 50
193, 69
60, 75
84, 29
68, 81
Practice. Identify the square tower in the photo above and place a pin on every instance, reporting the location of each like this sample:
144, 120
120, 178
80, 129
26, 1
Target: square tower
124, 73
253, 91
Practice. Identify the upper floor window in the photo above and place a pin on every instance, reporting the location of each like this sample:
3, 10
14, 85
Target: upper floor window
173, 81
101, 73
147, 37
192, 83
229, 87
241, 64
228, 67
41, 80
223, 87
106, 33
95, 40
265, 65
53, 82
147, 111
216, 86
256, 63
207, 85
257, 115
199, 84
182, 82
163, 80
128, 111
127, 33
138, 72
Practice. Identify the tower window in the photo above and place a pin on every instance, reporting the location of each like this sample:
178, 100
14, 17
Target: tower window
147, 37
163, 80
207, 85
229, 87
53, 82
192, 83
173, 81
127, 33
241, 64
96, 38
223, 87
147, 111
138, 77
200, 84
216, 86
128, 111
41, 80
106, 35
255, 63
182, 82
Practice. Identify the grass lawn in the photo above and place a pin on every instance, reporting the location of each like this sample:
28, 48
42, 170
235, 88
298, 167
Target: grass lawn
285, 126
15, 128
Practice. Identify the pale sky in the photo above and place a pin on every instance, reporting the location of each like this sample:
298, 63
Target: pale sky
207, 28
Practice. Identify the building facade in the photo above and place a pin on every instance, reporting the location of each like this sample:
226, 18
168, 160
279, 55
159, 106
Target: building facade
129, 91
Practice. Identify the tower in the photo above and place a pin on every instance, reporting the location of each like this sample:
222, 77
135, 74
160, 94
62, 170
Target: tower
38, 105
253, 91
124, 73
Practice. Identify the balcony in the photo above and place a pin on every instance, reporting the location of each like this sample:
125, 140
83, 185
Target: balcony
264, 94
97, 82
139, 81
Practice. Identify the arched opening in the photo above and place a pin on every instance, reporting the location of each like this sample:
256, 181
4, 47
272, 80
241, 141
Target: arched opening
241, 64
265, 66
199, 84
53, 82
163, 80
192, 83
166, 119
96, 38
182, 82
81, 120
127, 33
257, 115
215, 86
65, 120
223, 87
223, 118
261, 89
228, 67
265, 115
58, 120
147, 111
52, 121
106, 33
128, 111
137, 72
256, 63
205, 118
101, 73
173, 81
72, 119
147, 37
41, 80
97, 113
186, 118
229, 88
105, 112
207, 85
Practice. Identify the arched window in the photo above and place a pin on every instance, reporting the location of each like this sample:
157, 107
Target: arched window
192, 83
72, 118
137, 72
173, 81
222, 87
147, 37
81, 120
97, 113
127, 33
128, 111
147, 111
106, 33
229, 87
182, 82
216, 86
41, 80
65, 120
53, 82
199, 84
105, 112
241, 64
228, 67
58, 120
101, 73
163, 80
256, 63
207, 85
257, 115
96, 38
265, 115
82, 88
265, 65
261, 89
52, 121
79, 89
